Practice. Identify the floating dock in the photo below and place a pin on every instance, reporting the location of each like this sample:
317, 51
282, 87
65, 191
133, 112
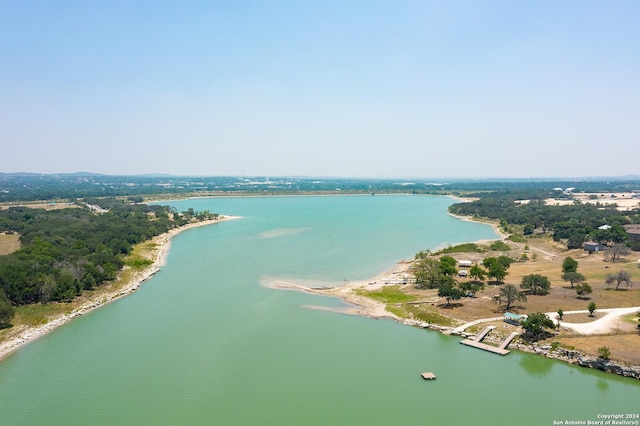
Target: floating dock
428, 375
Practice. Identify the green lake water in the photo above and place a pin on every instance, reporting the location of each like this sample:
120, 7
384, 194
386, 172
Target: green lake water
204, 343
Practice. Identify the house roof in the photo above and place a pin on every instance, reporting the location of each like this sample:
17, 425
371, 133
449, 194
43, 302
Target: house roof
632, 229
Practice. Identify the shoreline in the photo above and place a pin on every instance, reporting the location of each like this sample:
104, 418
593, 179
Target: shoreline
371, 308
159, 255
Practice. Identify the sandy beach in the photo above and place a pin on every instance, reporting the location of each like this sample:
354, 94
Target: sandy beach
162, 244
346, 290
366, 306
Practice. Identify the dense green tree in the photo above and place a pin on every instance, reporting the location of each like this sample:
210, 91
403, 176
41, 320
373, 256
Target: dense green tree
431, 272
447, 265
66, 251
536, 284
497, 267
7, 312
450, 292
573, 277
509, 294
477, 273
592, 308
569, 264
427, 272
583, 290
498, 272
471, 287
536, 324
576, 240
570, 223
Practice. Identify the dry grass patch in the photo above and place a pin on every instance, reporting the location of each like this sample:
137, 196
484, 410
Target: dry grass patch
623, 347
581, 318
549, 256
9, 243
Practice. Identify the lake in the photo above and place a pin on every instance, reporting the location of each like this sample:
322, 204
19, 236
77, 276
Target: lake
203, 342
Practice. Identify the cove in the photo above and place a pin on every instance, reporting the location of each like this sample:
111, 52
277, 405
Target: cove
203, 342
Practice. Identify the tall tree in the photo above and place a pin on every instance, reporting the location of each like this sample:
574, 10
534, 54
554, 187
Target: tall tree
447, 265
497, 271
7, 312
573, 277
616, 251
477, 273
509, 294
569, 264
621, 276
427, 272
497, 267
536, 323
471, 287
583, 290
450, 292
536, 284
592, 308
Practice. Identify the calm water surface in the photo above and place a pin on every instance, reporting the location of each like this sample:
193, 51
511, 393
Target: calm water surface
204, 343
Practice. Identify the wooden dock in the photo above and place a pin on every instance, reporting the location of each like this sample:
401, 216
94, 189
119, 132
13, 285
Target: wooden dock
484, 347
508, 340
477, 342
483, 333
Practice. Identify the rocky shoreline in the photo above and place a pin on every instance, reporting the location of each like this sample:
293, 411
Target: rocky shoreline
570, 356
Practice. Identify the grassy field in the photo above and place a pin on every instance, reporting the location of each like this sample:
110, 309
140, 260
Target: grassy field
9, 243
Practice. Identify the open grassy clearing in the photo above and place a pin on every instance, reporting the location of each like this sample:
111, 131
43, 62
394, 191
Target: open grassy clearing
406, 305
9, 243
623, 346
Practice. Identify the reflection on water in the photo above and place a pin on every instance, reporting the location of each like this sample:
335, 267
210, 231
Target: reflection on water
536, 365
602, 385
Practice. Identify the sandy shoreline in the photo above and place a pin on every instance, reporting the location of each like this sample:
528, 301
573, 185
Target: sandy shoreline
363, 306
162, 245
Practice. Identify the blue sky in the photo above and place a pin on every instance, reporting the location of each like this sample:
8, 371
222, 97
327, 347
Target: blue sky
321, 88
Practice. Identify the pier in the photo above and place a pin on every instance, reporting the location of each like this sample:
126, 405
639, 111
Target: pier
477, 342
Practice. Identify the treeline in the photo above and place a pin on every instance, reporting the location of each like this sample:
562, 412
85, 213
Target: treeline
30, 187
574, 223
64, 252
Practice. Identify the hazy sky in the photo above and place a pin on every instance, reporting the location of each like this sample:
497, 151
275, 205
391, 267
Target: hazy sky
321, 88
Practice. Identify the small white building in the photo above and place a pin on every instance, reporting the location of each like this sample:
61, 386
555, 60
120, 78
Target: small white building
463, 273
464, 263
